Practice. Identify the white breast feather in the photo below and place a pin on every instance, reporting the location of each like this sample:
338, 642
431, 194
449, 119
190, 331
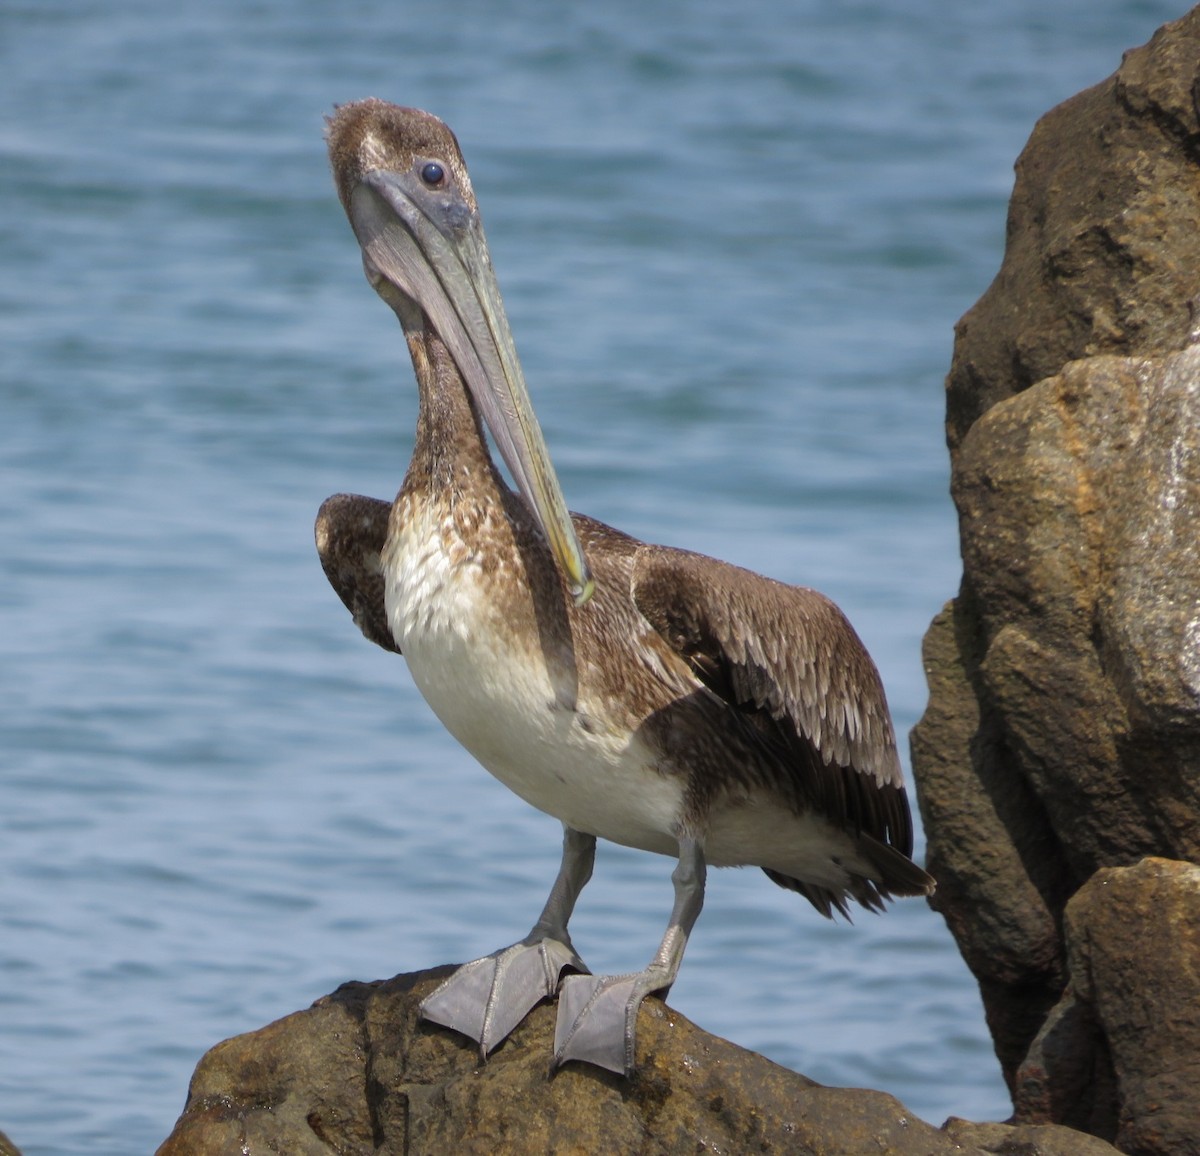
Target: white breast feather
498, 697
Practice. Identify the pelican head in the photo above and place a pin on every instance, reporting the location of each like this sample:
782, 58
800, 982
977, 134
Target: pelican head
402, 181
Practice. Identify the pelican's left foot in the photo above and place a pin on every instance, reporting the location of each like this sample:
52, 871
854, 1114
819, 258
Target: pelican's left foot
487, 998
597, 1017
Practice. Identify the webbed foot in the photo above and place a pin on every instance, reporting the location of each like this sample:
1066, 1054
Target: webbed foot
487, 998
597, 1017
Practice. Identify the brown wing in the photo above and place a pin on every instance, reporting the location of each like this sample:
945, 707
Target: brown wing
350, 533
788, 656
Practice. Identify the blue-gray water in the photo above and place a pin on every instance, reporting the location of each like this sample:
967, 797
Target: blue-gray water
733, 240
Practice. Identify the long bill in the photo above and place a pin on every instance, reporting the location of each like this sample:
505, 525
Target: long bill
434, 252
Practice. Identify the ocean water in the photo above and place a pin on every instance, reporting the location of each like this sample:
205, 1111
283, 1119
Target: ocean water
733, 241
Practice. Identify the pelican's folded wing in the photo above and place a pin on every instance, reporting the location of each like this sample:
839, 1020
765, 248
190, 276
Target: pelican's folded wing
350, 532
788, 655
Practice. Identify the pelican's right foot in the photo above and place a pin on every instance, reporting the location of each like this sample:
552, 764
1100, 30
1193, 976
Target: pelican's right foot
486, 998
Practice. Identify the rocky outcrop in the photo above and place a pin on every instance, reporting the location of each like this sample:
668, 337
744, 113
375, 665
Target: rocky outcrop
1118, 1053
1101, 245
1062, 735
7, 1147
358, 1074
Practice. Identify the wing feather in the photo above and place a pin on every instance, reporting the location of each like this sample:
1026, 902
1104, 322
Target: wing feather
350, 533
789, 656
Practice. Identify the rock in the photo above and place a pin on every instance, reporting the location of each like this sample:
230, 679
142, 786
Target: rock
1130, 1014
7, 1147
1062, 734
358, 1073
1022, 1140
1102, 244
1065, 680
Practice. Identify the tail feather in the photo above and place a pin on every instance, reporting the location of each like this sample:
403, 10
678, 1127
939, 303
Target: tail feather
899, 875
895, 875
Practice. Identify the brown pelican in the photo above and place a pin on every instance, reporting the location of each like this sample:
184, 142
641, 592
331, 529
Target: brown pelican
642, 694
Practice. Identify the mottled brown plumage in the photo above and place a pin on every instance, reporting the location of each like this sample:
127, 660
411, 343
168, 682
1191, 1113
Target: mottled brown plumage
350, 533
684, 705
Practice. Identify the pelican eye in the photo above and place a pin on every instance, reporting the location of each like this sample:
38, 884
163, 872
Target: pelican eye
433, 174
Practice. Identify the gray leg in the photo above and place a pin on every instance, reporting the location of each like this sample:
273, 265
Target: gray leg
579, 853
597, 1015
487, 998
